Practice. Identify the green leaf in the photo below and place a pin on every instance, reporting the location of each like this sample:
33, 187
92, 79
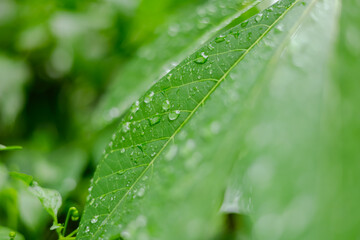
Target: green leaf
121, 178
270, 128
8, 148
4, 234
185, 33
23, 177
49, 198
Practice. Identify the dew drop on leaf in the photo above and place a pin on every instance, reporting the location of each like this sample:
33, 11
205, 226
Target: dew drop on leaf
166, 105
95, 219
148, 98
202, 58
135, 107
141, 192
220, 39
174, 115
154, 120
258, 18
244, 24
126, 127
211, 47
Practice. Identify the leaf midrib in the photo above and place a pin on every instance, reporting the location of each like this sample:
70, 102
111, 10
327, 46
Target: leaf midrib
193, 112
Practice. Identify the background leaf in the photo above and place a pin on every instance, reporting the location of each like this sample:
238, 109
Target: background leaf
49, 198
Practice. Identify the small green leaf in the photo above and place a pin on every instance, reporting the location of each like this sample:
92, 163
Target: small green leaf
22, 176
49, 198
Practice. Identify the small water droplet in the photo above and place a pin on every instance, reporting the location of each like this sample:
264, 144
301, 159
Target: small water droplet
135, 107
126, 127
174, 115
244, 24
235, 34
279, 28
122, 150
166, 105
148, 98
94, 220
154, 120
220, 39
141, 192
211, 47
258, 17
87, 229
202, 58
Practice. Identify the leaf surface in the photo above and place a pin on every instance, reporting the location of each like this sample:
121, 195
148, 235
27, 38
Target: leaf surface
156, 119
186, 32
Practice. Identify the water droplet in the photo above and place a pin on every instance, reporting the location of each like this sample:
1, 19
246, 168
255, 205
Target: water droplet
126, 127
166, 105
122, 150
211, 47
202, 58
141, 192
174, 115
244, 24
154, 120
279, 28
135, 107
87, 229
220, 39
235, 34
148, 98
258, 17
95, 219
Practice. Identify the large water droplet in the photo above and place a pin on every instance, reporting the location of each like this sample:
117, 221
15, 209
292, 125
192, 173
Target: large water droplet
148, 98
126, 127
141, 192
174, 115
244, 24
135, 107
154, 120
258, 17
220, 39
202, 58
235, 34
166, 105
95, 219
211, 47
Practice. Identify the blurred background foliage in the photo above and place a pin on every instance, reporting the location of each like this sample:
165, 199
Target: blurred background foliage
57, 59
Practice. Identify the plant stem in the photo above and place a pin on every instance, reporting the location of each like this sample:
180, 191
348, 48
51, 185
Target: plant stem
74, 232
67, 220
